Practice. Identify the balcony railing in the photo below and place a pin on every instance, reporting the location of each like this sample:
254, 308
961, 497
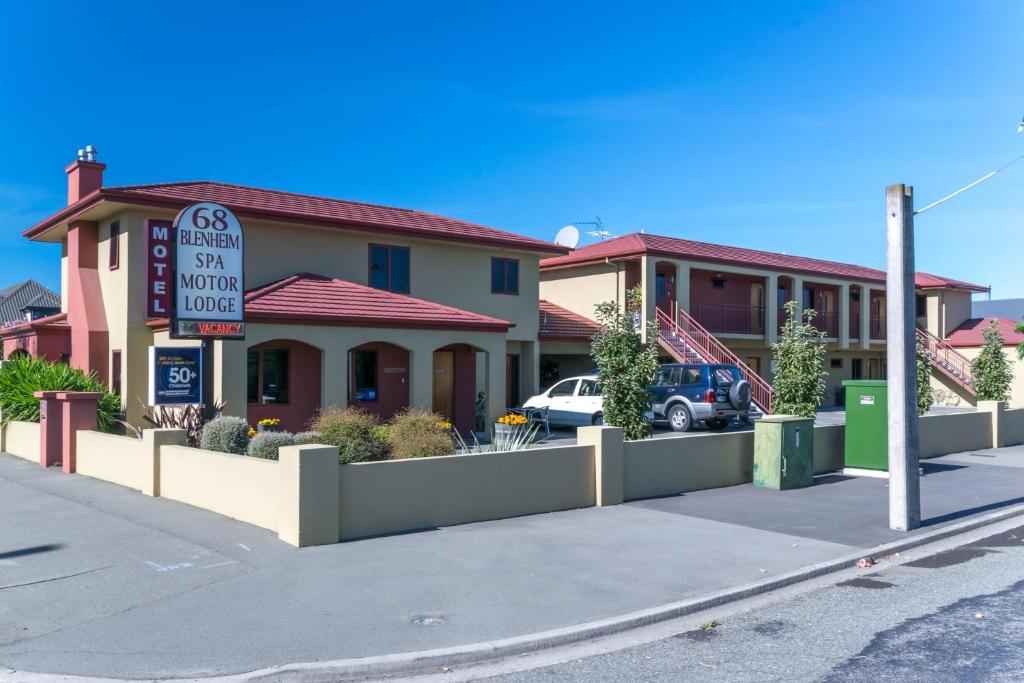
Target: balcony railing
854, 324
826, 322
730, 318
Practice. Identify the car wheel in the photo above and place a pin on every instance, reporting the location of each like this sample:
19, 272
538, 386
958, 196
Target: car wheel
716, 425
598, 420
679, 418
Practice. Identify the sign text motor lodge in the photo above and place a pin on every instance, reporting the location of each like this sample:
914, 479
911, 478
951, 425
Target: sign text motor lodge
208, 268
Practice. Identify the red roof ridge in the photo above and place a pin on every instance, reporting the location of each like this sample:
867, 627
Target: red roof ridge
269, 189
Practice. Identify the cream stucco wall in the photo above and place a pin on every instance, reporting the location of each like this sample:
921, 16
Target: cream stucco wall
581, 289
22, 439
235, 486
117, 459
405, 495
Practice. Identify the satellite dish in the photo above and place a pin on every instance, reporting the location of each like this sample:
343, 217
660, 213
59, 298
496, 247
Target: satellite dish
569, 236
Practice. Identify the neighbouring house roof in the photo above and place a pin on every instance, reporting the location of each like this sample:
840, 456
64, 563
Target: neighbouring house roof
14, 300
557, 323
256, 202
50, 322
637, 244
970, 332
1012, 309
306, 298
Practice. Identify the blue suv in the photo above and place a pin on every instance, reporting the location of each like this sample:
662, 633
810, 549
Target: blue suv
688, 393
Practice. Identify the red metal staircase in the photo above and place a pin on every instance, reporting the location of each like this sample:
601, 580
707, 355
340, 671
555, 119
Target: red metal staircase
689, 342
946, 359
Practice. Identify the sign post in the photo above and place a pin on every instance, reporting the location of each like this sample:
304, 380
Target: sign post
208, 284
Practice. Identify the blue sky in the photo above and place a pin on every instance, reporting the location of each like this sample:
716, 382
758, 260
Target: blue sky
773, 126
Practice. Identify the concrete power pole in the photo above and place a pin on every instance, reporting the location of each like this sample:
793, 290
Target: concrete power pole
901, 350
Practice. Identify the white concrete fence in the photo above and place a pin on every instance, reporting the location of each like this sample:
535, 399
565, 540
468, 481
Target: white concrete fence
308, 499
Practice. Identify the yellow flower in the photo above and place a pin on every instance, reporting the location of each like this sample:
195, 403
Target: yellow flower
252, 432
270, 422
512, 420
444, 426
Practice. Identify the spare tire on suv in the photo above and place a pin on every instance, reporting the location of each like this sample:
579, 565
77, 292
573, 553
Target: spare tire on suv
739, 394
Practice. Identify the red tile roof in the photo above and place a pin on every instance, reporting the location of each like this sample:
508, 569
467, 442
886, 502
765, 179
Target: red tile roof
287, 206
928, 281
559, 323
969, 333
636, 244
314, 299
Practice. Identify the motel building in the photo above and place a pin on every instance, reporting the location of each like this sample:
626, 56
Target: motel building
350, 304
721, 304
345, 303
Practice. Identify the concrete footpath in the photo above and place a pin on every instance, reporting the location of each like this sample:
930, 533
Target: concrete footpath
98, 580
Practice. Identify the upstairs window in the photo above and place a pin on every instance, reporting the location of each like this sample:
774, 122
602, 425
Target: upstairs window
389, 268
504, 276
115, 245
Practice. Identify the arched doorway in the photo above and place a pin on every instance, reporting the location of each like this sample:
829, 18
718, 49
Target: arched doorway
283, 382
378, 378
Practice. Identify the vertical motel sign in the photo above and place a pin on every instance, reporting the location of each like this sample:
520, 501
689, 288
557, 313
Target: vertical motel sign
208, 283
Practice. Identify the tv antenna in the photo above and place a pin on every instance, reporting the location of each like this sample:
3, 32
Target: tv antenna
599, 230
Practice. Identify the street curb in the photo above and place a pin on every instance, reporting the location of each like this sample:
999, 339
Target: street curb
408, 663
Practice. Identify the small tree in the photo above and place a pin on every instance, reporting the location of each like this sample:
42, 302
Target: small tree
799, 357
1020, 347
924, 381
992, 372
626, 366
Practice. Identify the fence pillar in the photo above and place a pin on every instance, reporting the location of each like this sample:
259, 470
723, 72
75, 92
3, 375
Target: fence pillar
51, 444
78, 411
309, 504
152, 441
609, 462
995, 410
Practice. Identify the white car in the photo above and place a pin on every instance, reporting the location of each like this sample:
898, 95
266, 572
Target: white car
572, 402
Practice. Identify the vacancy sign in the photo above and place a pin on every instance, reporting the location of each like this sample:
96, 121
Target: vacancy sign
209, 286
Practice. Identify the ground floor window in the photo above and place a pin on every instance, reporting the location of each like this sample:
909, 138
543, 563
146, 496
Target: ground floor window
365, 372
268, 376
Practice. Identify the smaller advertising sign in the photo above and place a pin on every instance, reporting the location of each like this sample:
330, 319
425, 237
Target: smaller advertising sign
175, 375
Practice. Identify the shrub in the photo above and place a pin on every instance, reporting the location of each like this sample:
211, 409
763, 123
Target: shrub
267, 444
225, 435
354, 432
419, 434
306, 438
22, 376
799, 358
993, 374
925, 398
626, 365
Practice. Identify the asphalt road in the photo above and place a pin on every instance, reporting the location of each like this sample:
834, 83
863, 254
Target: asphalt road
955, 616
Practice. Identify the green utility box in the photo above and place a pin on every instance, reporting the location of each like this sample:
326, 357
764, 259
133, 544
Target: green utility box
867, 424
784, 452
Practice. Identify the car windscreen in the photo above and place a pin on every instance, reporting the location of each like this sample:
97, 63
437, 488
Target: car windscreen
566, 388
